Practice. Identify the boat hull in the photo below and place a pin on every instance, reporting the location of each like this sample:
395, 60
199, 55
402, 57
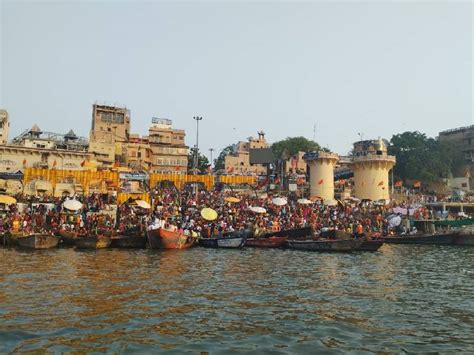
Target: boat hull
465, 239
129, 242
93, 242
325, 245
163, 239
224, 242
370, 245
270, 242
38, 241
433, 239
290, 233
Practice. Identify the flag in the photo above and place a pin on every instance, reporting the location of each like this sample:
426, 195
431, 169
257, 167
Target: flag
231, 169
398, 184
54, 163
320, 181
176, 168
24, 162
380, 183
417, 184
83, 163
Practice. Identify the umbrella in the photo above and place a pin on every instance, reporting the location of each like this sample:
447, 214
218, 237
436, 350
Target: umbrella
143, 204
263, 196
304, 201
208, 214
279, 201
394, 221
315, 198
8, 200
232, 199
72, 205
257, 209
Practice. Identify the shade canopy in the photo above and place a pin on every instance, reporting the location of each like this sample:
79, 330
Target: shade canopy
72, 205
232, 199
257, 209
304, 201
279, 201
8, 200
208, 214
143, 204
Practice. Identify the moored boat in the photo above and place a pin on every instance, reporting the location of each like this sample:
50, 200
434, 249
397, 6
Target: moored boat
229, 242
465, 239
429, 239
371, 245
93, 242
68, 238
325, 245
262, 242
128, 241
303, 232
38, 241
164, 239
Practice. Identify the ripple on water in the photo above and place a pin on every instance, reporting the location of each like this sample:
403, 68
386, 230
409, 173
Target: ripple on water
281, 301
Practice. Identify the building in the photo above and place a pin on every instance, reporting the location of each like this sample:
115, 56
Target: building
238, 162
4, 127
371, 165
109, 134
37, 149
463, 139
138, 152
169, 153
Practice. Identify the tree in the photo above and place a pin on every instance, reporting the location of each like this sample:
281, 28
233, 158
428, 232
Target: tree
422, 158
203, 162
219, 162
293, 145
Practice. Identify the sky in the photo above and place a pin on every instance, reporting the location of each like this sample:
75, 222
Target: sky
333, 71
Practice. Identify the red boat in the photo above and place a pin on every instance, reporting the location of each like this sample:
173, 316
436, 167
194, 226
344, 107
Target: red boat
163, 239
269, 242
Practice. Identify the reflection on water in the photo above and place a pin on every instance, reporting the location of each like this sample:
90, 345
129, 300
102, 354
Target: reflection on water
403, 298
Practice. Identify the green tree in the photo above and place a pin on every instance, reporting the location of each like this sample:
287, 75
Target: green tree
420, 157
203, 162
219, 162
293, 145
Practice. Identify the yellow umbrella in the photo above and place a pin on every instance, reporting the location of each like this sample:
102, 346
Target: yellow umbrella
232, 199
208, 214
8, 200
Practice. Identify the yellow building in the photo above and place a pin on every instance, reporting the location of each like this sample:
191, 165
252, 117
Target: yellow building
371, 165
109, 134
321, 174
169, 153
238, 162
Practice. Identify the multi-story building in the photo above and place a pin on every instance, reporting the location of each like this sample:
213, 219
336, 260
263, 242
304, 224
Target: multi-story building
138, 152
463, 139
169, 153
109, 134
4, 127
37, 149
238, 162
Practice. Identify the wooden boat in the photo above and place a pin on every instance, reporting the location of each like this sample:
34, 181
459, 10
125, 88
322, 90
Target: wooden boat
163, 239
229, 242
93, 242
38, 241
128, 241
270, 242
465, 239
290, 233
325, 245
371, 245
11, 239
68, 238
430, 239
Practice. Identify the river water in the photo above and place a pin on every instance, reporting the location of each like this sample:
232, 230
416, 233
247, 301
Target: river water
402, 298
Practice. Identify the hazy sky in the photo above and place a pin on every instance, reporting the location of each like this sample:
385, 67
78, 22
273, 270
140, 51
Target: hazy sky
375, 68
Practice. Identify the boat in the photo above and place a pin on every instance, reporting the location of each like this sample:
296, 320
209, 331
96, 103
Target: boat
11, 239
371, 245
68, 238
269, 242
93, 242
163, 239
465, 239
303, 232
38, 241
135, 241
229, 242
325, 245
449, 238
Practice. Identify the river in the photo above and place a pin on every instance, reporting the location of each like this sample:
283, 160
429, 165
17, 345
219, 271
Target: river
400, 299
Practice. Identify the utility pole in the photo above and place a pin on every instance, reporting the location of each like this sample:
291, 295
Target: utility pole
211, 150
196, 152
